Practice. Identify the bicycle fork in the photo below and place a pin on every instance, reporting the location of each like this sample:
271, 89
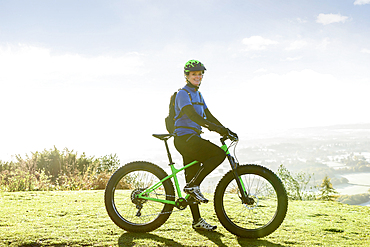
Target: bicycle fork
234, 165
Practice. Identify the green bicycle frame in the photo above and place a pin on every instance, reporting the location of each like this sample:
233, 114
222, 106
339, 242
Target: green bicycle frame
177, 185
173, 175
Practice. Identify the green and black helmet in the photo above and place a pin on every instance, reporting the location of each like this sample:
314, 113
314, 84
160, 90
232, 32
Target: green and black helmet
193, 65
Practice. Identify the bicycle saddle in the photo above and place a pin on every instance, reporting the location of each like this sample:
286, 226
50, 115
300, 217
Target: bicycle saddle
163, 137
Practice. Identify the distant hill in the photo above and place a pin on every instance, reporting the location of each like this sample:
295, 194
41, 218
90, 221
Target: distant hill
339, 151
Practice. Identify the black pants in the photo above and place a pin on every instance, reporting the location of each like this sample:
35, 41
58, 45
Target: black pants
192, 147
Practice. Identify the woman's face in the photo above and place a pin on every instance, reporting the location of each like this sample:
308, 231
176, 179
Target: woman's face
195, 77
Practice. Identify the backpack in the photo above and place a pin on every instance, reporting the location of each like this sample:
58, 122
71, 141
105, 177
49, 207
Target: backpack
171, 118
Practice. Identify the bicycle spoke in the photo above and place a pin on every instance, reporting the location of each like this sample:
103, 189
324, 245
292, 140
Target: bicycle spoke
257, 214
138, 211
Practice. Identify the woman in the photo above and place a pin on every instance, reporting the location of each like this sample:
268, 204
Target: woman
192, 113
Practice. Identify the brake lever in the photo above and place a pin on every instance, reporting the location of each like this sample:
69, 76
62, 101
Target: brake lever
232, 137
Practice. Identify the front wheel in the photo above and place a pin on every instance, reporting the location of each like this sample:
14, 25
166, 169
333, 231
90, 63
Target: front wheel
130, 212
266, 207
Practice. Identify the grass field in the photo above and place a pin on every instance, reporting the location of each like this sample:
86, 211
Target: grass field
78, 218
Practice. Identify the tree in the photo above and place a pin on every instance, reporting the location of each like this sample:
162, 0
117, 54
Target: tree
295, 186
327, 192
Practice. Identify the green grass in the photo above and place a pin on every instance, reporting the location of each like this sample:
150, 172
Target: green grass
78, 218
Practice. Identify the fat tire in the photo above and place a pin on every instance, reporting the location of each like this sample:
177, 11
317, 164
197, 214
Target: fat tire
110, 203
234, 227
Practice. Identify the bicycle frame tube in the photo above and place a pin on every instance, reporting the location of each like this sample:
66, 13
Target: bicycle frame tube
157, 185
174, 172
224, 147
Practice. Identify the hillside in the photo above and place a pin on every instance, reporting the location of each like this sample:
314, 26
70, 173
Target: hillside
342, 152
78, 218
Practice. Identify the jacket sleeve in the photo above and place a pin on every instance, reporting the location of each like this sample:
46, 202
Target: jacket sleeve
194, 116
211, 118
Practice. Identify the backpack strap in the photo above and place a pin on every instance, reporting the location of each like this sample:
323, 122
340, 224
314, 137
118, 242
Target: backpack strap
193, 103
202, 101
187, 92
181, 113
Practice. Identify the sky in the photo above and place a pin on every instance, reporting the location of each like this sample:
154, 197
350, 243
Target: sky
96, 76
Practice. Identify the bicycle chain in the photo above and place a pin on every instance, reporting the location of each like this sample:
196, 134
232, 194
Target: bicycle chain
163, 212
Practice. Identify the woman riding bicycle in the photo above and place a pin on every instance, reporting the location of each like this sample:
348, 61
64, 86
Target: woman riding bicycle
192, 113
250, 201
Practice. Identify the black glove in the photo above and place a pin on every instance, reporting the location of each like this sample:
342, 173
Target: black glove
233, 135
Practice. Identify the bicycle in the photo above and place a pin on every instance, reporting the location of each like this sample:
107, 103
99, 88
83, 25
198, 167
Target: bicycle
250, 201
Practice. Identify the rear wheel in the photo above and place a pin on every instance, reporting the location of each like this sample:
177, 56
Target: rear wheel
135, 214
266, 207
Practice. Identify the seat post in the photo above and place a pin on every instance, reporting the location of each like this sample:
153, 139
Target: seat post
168, 153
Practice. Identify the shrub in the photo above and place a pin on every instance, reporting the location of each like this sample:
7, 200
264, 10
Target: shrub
19, 180
108, 163
295, 185
56, 170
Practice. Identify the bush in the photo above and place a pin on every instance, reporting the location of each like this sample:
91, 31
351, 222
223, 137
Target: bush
19, 180
56, 170
296, 186
108, 163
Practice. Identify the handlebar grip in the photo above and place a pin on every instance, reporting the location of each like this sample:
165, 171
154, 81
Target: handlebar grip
232, 136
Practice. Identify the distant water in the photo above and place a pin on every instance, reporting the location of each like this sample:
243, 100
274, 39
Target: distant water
358, 183
365, 204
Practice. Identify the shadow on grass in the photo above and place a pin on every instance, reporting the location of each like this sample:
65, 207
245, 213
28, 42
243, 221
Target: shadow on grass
257, 242
127, 239
215, 237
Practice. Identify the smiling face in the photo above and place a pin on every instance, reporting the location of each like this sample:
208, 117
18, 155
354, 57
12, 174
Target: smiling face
195, 77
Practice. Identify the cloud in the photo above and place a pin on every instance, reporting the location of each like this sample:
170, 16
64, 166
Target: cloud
300, 20
326, 19
261, 70
290, 59
302, 98
69, 100
366, 51
296, 45
29, 65
257, 43
323, 45
361, 2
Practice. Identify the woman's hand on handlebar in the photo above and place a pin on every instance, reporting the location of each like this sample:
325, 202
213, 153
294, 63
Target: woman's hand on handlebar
225, 132
232, 136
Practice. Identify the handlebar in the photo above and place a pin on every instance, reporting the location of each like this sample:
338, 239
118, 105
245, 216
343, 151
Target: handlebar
231, 136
